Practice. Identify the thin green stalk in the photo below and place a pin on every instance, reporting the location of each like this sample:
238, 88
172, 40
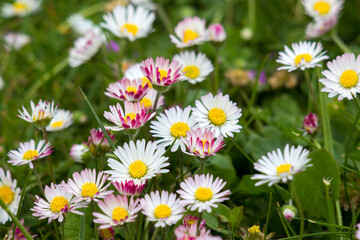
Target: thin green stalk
329, 206
163, 233
283, 223
199, 222
202, 166
23, 191
298, 204
62, 230
49, 157
252, 14
128, 232
158, 94
38, 180
313, 235
82, 226
339, 42
139, 226
93, 209
329, 225
55, 226
242, 152
312, 93
169, 148
216, 71
306, 140
164, 18
181, 165
155, 234
268, 216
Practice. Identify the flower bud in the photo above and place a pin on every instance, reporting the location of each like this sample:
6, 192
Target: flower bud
310, 123
289, 212
216, 32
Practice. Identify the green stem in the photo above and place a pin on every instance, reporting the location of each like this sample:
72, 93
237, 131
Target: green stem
38, 180
49, 157
82, 226
202, 166
312, 93
329, 225
23, 191
242, 152
128, 232
216, 71
62, 229
315, 146
330, 209
155, 234
199, 222
298, 204
268, 216
163, 233
283, 222
93, 209
252, 14
169, 148
139, 225
164, 18
340, 43
158, 94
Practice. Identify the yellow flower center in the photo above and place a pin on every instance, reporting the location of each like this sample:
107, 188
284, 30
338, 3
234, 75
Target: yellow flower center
57, 124
322, 7
131, 89
179, 129
58, 203
130, 28
307, 58
30, 154
6, 194
137, 169
203, 194
192, 71
254, 230
162, 211
217, 116
146, 80
119, 214
191, 222
283, 168
40, 116
132, 116
89, 189
163, 73
19, 7
190, 35
146, 102
349, 79
106, 233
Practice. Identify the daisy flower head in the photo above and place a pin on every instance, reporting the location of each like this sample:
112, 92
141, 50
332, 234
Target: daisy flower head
302, 55
97, 142
117, 210
164, 209
15, 41
129, 187
318, 28
196, 67
217, 113
149, 99
129, 118
190, 31
9, 194
80, 25
202, 193
322, 9
172, 126
87, 186
278, 166
129, 22
162, 73
125, 89
107, 233
58, 202
41, 113
29, 152
134, 72
78, 152
342, 78
61, 120
18, 235
216, 32
20, 8
138, 162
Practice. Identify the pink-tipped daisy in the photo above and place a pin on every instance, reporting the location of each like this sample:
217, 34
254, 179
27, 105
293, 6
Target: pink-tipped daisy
216, 32
190, 31
129, 187
28, 152
97, 141
134, 72
164, 209
117, 210
125, 89
9, 194
41, 113
202, 193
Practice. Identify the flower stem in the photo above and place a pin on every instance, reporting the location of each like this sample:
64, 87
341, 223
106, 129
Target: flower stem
268, 216
242, 151
128, 232
158, 94
93, 207
216, 71
38, 180
164, 17
313, 235
23, 191
340, 43
155, 234
298, 204
330, 210
62, 229
312, 93
202, 166
49, 157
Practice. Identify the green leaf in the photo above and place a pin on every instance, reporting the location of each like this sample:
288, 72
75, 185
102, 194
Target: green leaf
223, 211
236, 215
222, 167
73, 225
211, 221
309, 184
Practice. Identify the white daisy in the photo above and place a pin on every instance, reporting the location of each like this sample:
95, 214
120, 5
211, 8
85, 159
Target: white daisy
318, 28
343, 76
276, 166
195, 66
148, 100
302, 55
41, 113
78, 152
137, 162
29, 152
80, 24
9, 194
190, 31
164, 208
171, 126
217, 113
61, 120
20, 8
15, 41
322, 9
202, 193
129, 22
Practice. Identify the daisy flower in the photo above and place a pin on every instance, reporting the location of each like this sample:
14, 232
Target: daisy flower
18, 235
216, 32
183, 232
171, 126
149, 99
20, 8
164, 209
140, 161
9, 194
302, 55
117, 210
15, 41
41, 113
80, 25
29, 152
217, 113
322, 9
78, 152
129, 22
202, 193
162, 73
202, 143
190, 31
58, 202
129, 187
87, 186
343, 75
133, 116
61, 120
276, 166
107, 233
196, 67
134, 72
97, 141
318, 28
125, 89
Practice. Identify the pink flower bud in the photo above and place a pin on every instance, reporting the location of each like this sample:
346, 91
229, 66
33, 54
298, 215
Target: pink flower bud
310, 123
216, 32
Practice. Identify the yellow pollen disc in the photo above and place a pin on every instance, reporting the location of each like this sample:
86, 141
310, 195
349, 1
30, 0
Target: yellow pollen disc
131, 115
119, 214
130, 28
132, 89
190, 35
283, 168
349, 79
58, 203
217, 116
305, 56
89, 189
191, 222
203, 194
322, 7
192, 71
137, 169
30, 154
146, 102
106, 233
40, 116
162, 211
254, 230
57, 124
19, 7
163, 73
6, 194
179, 129
146, 80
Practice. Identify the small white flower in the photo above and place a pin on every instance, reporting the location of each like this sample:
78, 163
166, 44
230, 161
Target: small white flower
78, 151
61, 120
190, 31
15, 41
20, 8
80, 24
9, 194
42, 112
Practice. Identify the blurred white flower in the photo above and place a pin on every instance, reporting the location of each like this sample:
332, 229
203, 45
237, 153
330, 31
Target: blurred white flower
80, 24
20, 8
15, 41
